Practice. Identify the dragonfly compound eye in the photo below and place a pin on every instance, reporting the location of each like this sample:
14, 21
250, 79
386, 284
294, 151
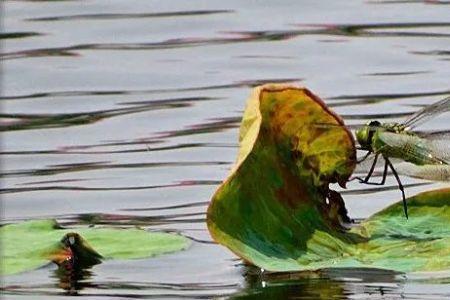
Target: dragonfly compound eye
363, 137
374, 124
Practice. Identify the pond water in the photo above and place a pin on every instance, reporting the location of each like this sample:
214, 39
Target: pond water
127, 112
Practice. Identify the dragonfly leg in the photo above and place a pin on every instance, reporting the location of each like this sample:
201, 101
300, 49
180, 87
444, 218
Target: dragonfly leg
372, 168
366, 179
400, 186
383, 180
386, 164
365, 157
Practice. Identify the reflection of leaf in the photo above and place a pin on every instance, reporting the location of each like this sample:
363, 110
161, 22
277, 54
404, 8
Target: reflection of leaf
271, 210
27, 245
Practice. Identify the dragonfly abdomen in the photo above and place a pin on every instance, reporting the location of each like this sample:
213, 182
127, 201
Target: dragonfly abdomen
403, 145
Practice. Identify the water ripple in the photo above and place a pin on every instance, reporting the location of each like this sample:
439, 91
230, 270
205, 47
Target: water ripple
89, 166
120, 220
366, 30
217, 125
235, 84
112, 188
18, 35
112, 16
428, 2
34, 121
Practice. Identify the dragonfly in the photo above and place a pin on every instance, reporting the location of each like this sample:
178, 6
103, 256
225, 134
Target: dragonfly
423, 156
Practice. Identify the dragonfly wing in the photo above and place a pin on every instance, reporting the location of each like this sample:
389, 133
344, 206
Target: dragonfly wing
416, 149
434, 135
438, 143
428, 112
428, 172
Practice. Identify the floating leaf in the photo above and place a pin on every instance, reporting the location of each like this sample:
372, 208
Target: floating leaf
421, 243
29, 245
271, 210
74, 252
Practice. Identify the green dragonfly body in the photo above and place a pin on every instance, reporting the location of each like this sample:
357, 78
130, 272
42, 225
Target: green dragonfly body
394, 140
425, 158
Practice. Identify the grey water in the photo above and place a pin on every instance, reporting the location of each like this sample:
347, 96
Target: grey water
127, 112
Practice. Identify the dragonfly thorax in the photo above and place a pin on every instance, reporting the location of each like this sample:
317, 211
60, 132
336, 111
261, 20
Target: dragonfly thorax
365, 134
394, 127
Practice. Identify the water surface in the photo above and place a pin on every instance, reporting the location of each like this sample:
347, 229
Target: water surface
127, 113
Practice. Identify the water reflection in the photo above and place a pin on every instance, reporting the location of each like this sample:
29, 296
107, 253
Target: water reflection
73, 280
85, 283
327, 284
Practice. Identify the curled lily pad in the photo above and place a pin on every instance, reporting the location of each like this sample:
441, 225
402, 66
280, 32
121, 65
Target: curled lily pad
74, 252
29, 245
272, 212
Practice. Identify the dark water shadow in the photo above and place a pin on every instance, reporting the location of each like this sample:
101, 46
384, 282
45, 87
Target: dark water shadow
443, 55
131, 220
382, 188
66, 283
187, 205
89, 166
376, 98
325, 284
115, 16
216, 125
18, 34
89, 287
384, 74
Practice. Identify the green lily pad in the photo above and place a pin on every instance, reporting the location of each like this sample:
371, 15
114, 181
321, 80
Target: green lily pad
421, 243
272, 211
29, 245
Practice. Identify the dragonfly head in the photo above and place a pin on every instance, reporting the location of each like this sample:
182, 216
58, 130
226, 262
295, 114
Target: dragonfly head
364, 134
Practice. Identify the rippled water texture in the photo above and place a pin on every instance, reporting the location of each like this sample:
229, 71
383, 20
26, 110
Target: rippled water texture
127, 112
